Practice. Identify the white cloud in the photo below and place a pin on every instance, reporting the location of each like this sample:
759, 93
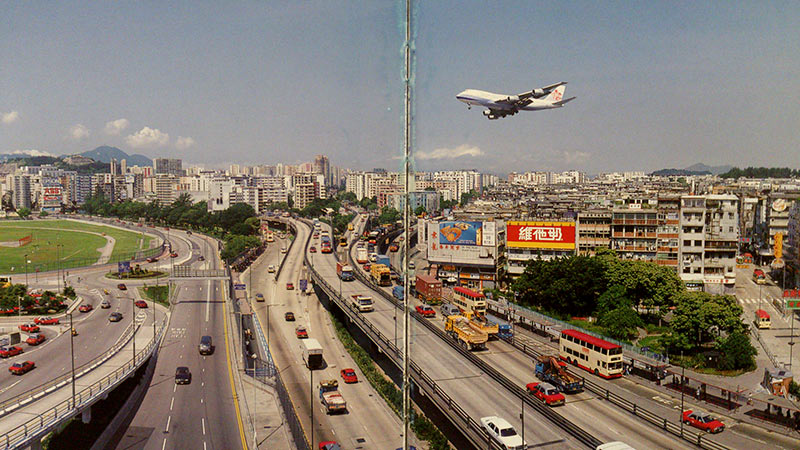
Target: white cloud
115, 127
32, 152
184, 142
148, 137
9, 117
78, 132
450, 153
575, 157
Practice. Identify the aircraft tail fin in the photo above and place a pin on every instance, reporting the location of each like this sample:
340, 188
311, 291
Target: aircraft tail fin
557, 94
564, 102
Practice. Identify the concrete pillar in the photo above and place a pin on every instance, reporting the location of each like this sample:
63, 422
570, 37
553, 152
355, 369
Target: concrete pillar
36, 444
86, 415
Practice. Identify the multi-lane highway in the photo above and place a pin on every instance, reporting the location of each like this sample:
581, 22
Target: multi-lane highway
203, 414
369, 422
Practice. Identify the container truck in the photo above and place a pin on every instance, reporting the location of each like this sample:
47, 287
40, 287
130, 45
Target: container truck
330, 397
362, 302
383, 259
429, 289
312, 353
462, 330
550, 369
344, 271
504, 331
381, 275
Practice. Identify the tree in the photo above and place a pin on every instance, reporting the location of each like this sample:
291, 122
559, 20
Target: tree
236, 244
420, 210
69, 291
621, 323
43, 213
24, 212
613, 298
389, 215
698, 316
737, 352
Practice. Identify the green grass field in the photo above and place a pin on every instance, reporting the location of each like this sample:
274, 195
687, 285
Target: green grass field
78, 248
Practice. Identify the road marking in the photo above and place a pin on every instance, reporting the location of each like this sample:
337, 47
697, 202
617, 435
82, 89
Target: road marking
201, 400
202, 384
208, 299
171, 403
204, 445
233, 387
164, 445
166, 430
174, 388
203, 421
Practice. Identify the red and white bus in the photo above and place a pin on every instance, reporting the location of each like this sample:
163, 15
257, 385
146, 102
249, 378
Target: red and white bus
600, 357
469, 300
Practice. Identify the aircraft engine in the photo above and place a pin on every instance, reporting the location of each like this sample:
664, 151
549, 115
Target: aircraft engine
487, 113
513, 99
538, 92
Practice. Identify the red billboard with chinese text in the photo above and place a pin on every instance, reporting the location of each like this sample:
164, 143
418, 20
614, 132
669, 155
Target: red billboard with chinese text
531, 234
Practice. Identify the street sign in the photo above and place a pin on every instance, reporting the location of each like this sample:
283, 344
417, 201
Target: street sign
239, 287
792, 304
124, 267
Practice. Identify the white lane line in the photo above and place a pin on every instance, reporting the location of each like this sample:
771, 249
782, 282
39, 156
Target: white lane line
203, 421
174, 388
204, 445
201, 400
166, 430
164, 445
171, 403
208, 299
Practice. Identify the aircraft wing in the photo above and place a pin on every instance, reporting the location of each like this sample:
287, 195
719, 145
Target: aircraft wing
541, 92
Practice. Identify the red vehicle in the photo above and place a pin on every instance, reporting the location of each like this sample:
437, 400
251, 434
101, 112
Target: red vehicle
394, 248
289, 286
173, 255
29, 328
35, 339
546, 392
122, 287
85, 308
140, 304
326, 247
329, 445
20, 368
703, 421
312, 249
6, 352
301, 332
428, 289
349, 376
425, 311
46, 321
367, 266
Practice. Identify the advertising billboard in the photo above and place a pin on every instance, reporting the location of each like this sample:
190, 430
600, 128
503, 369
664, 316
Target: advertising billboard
529, 234
460, 233
489, 234
124, 267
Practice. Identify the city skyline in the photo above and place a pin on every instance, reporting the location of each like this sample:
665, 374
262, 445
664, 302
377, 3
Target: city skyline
658, 86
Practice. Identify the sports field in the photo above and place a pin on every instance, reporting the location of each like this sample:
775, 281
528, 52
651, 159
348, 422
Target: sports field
80, 244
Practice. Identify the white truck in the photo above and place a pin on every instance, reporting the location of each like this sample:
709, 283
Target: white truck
361, 255
312, 353
362, 302
330, 397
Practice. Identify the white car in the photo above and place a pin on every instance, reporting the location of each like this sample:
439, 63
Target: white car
271, 268
373, 257
502, 432
411, 265
283, 249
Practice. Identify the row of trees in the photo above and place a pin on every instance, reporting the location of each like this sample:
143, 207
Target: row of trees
623, 295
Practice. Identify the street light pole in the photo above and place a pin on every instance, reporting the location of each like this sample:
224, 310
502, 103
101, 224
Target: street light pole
72, 357
26, 270
311, 402
683, 371
133, 322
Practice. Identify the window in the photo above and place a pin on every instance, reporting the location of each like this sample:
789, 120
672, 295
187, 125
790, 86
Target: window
687, 243
698, 243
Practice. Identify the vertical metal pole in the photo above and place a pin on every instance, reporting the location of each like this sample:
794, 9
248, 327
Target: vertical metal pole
72, 358
133, 322
522, 416
26, 271
791, 338
407, 149
311, 402
683, 371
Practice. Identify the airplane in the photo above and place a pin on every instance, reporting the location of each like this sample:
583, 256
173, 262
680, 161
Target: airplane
501, 105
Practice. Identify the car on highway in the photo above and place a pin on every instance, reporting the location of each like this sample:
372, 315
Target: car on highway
312, 249
703, 421
29, 328
115, 317
173, 255
271, 269
122, 287
201, 258
289, 286
425, 311
85, 308
9, 351
283, 249
35, 339
152, 259
183, 375
329, 445
411, 265
289, 316
140, 304
105, 304
349, 375
546, 392
206, 346
501, 431
373, 257
394, 248
21, 368
46, 320
367, 266
300, 332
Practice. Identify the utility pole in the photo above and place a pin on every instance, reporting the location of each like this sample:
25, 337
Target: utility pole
683, 371
72, 357
406, 222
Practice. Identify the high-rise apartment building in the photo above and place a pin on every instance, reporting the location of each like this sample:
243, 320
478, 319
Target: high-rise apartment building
169, 166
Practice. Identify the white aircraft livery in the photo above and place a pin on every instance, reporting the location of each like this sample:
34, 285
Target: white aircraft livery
501, 105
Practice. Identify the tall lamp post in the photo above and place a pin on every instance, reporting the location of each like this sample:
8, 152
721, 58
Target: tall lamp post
683, 371
27, 261
72, 357
133, 301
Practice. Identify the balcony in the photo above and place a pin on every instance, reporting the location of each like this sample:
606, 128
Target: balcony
634, 222
667, 235
667, 262
636, 235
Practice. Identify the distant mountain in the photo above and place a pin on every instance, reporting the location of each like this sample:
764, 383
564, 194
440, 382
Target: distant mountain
714, 170
105, 153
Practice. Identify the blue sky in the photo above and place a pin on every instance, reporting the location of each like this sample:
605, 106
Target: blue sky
659, 84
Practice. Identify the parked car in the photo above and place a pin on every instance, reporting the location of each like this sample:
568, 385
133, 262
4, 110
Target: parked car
9, 351
546, 392
366, 267
289, 286
173, 255
329, 445
35, 339
122, 287
21, 368
115, 317
29, 328
501, 431
183, 375
301, 332
703, 421
289, 316
105, 304
85, 308
349, 375
46, 321
283, 249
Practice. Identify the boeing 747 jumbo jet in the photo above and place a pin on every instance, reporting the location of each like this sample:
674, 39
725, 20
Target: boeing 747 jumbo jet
501, 105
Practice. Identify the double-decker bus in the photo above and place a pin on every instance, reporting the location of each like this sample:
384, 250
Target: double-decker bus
600, 357
469, 300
